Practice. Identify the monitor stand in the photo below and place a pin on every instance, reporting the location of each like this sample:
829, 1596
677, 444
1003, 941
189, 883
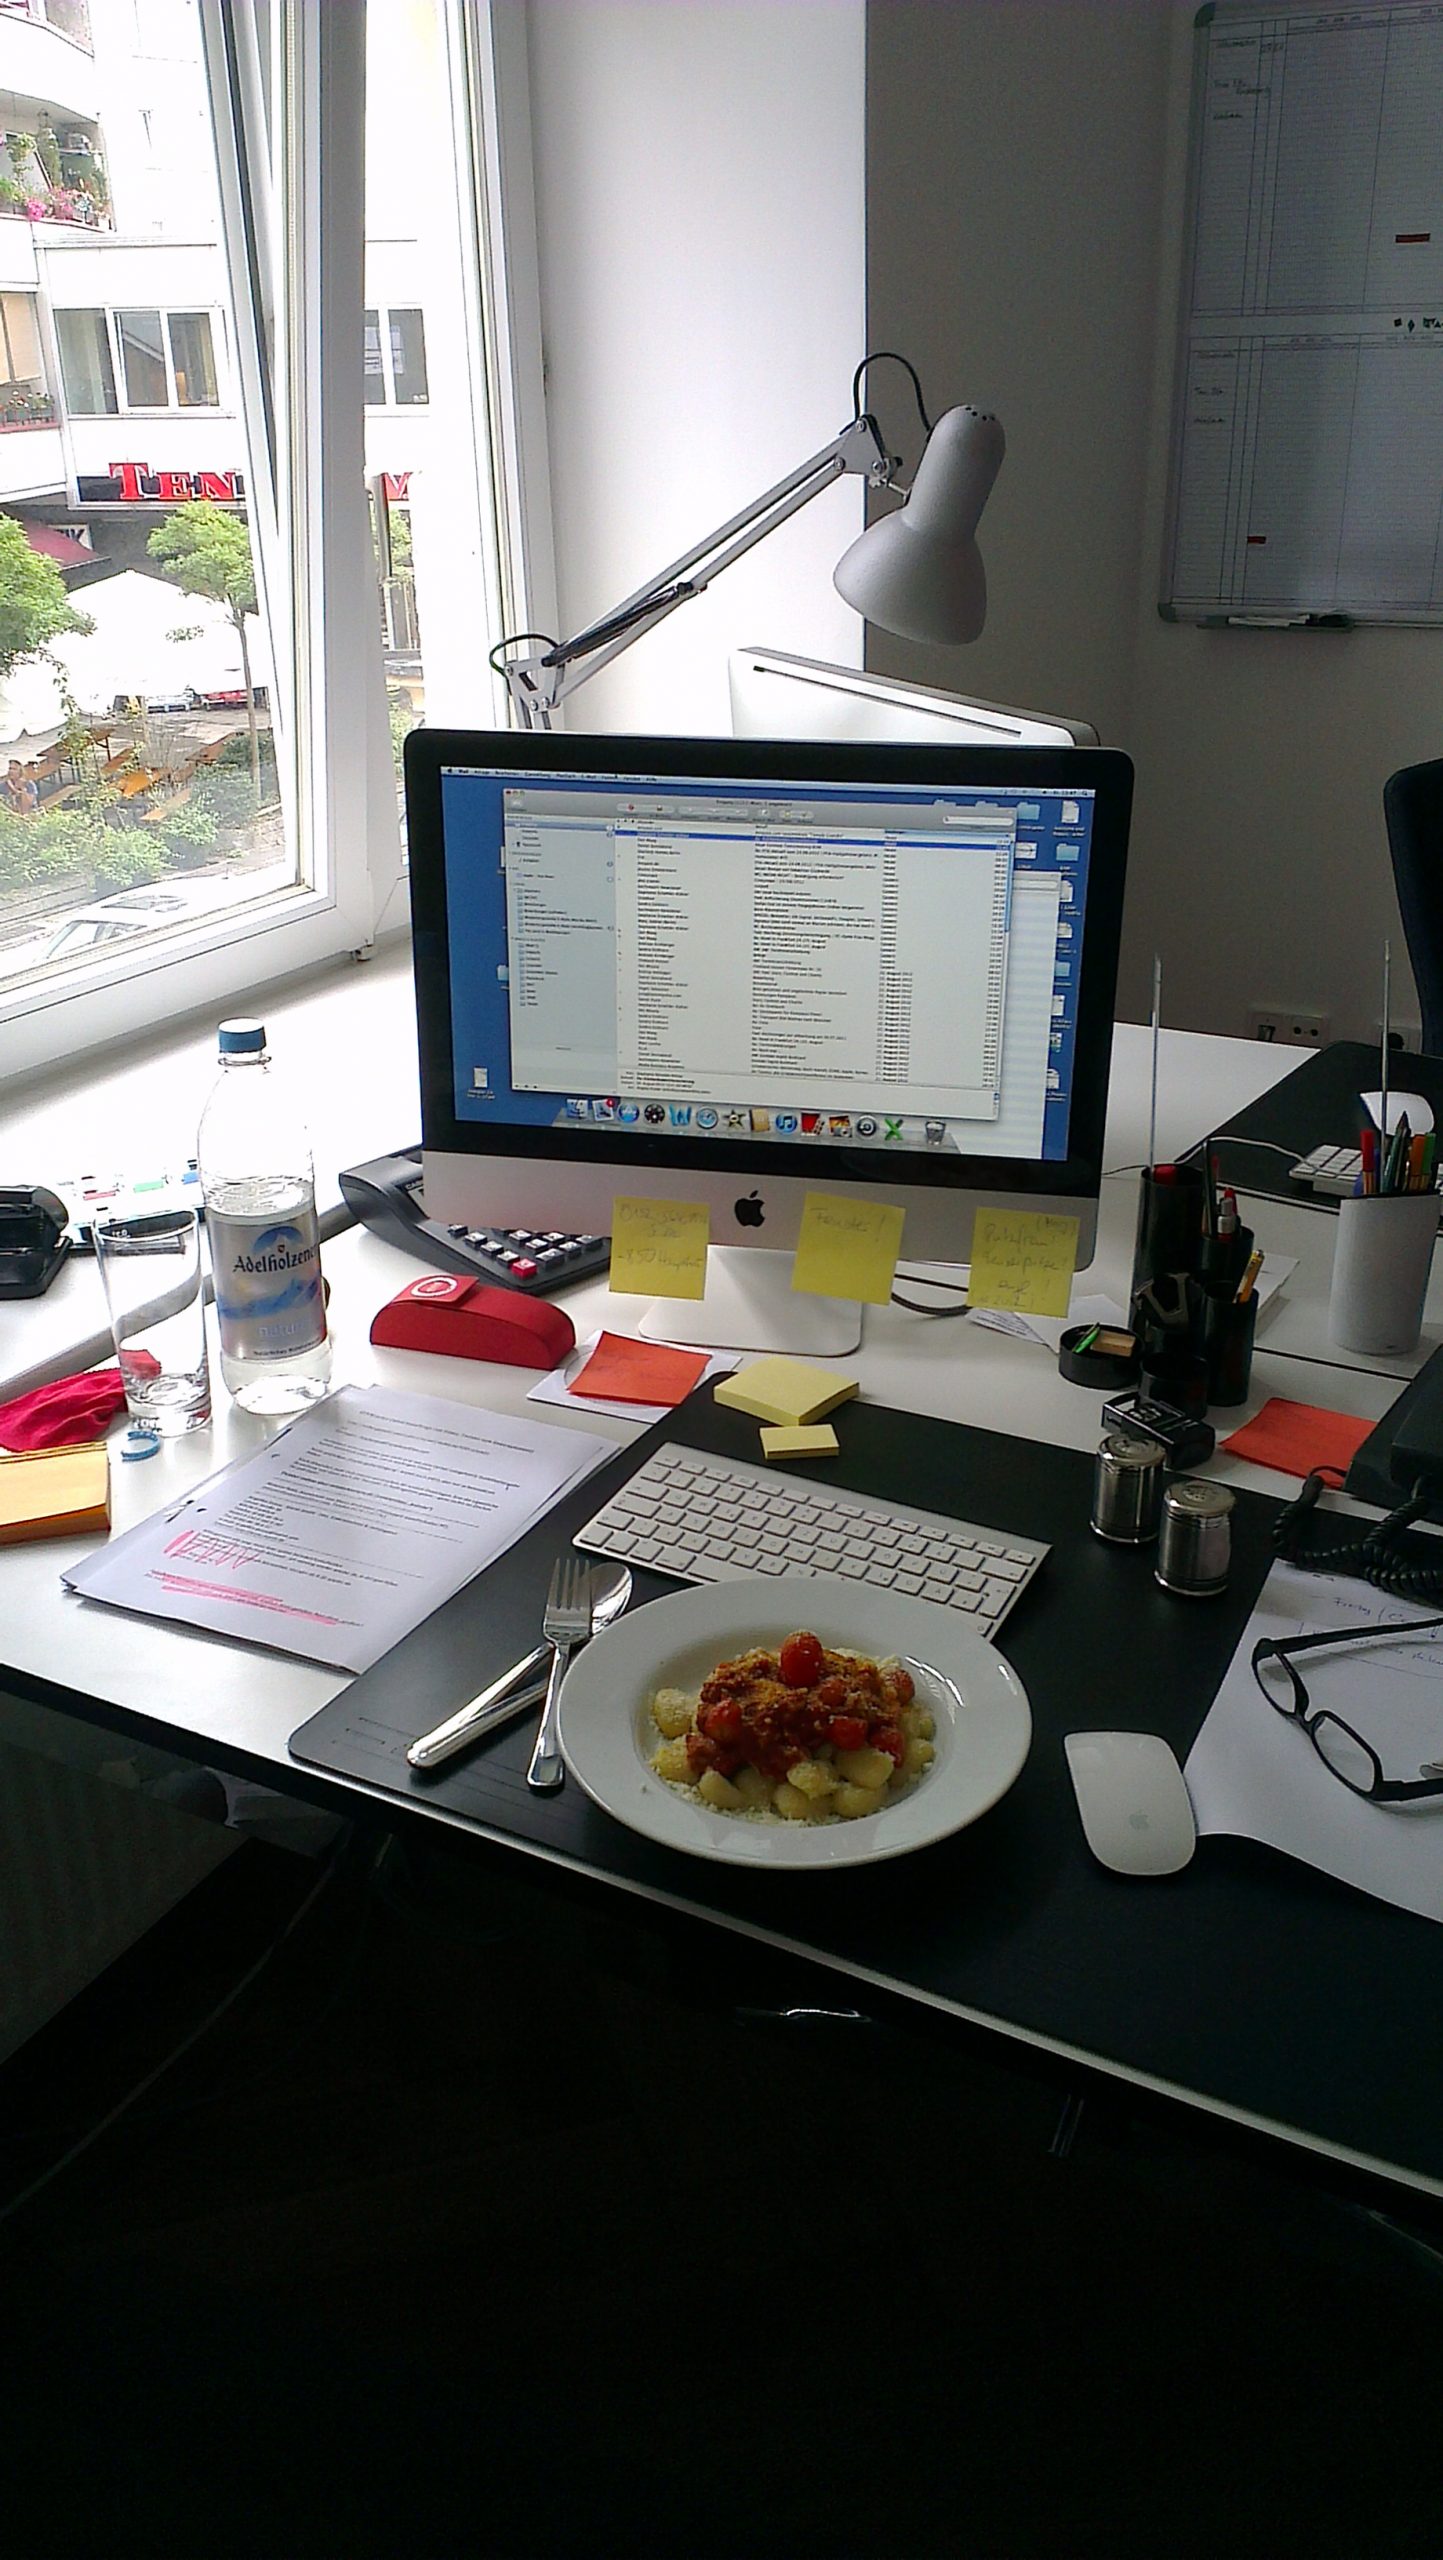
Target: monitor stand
750, 1305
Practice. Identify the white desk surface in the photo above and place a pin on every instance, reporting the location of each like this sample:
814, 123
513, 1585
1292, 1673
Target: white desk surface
248, 1701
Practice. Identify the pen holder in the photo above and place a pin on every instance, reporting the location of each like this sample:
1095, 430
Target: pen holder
1227, 1331
1169, 1223
1382, 1263
1178, 1378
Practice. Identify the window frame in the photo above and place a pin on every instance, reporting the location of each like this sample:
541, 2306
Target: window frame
287, 88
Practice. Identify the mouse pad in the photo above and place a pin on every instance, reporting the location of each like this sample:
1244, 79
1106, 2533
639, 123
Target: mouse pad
1010, 1920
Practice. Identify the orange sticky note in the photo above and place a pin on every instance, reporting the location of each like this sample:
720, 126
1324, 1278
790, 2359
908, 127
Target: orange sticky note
1296, 1438
638, 1372
658, 1248
848, 1248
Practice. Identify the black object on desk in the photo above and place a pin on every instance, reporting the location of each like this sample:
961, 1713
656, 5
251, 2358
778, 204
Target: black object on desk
1234, 1986
1316, 1106
33, 1241
386, 1196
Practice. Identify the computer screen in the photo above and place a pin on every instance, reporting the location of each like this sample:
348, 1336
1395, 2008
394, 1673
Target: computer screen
740, 972
775, 696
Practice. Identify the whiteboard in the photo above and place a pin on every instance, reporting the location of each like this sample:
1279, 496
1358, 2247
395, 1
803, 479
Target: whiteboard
1307, 449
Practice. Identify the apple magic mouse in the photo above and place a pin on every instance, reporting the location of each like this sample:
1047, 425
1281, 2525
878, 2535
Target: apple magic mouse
1136, 1813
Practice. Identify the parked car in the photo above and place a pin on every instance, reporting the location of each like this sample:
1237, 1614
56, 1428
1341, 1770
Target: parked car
230, 698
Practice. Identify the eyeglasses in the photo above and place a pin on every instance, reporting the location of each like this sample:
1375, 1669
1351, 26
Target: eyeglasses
1343, 1752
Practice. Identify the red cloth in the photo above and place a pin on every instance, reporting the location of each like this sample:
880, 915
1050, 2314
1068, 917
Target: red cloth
66, 1412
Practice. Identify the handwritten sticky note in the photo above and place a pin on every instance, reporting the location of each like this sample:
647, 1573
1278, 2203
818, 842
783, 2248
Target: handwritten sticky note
658, 1248
848, 1248
1022, 1260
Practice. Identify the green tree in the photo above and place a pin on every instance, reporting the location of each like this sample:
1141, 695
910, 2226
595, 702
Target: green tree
207, 551
34, 606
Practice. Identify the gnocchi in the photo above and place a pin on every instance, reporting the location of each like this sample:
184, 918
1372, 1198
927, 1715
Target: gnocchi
806, 1734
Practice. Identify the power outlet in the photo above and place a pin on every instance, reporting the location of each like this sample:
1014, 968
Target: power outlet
1288, 1024
1401, 1035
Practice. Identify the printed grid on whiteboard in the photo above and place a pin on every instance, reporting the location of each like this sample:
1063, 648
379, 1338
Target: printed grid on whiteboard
1307, 463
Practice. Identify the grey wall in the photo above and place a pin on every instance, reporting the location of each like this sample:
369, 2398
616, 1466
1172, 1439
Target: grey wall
700, 230
1026, 164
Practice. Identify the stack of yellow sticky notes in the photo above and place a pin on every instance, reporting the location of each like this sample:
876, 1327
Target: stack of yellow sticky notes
792, 1396
52, 1493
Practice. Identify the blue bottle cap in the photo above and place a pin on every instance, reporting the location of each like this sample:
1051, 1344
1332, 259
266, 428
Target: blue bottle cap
242, 1039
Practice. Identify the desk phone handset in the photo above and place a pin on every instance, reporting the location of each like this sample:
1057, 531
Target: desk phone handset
386, 1195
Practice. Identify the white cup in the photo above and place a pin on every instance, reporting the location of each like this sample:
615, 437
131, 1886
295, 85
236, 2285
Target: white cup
1382, 1263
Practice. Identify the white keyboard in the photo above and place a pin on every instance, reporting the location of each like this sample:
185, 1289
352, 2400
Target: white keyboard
1333, 1170
709, 1519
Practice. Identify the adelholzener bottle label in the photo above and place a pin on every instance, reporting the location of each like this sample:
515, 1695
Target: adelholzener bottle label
267, 1283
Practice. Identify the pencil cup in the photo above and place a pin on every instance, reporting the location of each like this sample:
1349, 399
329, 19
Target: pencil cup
1227, 1341
1169, 1223
1381, 1267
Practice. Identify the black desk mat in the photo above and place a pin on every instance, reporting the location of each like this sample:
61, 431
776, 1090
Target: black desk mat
1249, 1979
1316, 1106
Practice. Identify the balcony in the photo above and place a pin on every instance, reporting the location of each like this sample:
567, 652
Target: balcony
49, 174
46, 67
32, 462
69, 18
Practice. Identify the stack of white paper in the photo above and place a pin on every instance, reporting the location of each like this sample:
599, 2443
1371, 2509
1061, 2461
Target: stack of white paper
348, 1528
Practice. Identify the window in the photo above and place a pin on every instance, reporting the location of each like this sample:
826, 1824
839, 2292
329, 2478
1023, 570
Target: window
165, 360
232, 713
402, 383
142, 353
86, 369
25, 399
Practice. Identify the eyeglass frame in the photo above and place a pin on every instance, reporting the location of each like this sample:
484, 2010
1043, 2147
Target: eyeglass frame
1301, 1711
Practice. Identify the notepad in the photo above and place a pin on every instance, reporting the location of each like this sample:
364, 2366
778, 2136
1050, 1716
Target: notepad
54, 1493
785, 1392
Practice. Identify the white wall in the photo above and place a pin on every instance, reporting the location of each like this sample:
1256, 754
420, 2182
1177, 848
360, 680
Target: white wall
1262, 870
1014, 159
1025, 184
700, 209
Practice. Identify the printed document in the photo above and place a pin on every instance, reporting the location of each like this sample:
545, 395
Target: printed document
1254, 1772
347, 1529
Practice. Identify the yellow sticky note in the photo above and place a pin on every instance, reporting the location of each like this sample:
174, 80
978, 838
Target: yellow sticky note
848, 1248
658, 1248
784, 1391
1022, 1260
800, 1440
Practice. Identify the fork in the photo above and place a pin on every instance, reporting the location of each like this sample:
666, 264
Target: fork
566, 1622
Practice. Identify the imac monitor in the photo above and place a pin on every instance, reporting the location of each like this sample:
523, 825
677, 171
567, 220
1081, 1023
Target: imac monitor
736, 972
774, 696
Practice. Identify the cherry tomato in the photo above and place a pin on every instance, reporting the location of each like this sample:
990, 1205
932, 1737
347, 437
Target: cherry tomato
721, 1720
832, 1693
903, 1686
888, 1739
848, 1733
802, 1661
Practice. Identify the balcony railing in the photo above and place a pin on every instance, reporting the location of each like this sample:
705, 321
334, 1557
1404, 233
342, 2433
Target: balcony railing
25, 404
65, 17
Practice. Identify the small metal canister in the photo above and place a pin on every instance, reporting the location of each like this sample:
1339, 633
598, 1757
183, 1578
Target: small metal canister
1197, 1538
1127, 1480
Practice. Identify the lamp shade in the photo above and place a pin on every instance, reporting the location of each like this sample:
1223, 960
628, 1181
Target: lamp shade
918, 571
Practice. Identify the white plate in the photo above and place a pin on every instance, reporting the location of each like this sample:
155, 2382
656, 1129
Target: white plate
983, 1724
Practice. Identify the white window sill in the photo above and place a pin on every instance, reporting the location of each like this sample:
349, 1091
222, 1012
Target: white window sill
345, 1035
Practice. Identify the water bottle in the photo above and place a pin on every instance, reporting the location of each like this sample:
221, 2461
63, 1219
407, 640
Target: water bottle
260, 1210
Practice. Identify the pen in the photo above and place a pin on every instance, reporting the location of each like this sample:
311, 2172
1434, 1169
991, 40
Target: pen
1370, 1160
1088, 1339
1417, 1152
1251, 1269
1383, 1060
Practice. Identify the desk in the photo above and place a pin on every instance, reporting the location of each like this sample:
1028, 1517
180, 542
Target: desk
213, 1700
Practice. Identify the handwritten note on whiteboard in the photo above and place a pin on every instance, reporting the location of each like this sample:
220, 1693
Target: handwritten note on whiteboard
658, 1248
1022, 1260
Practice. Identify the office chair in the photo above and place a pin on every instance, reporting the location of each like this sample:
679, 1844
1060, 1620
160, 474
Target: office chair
1413, 813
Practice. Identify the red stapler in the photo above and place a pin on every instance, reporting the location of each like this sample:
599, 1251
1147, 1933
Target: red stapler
446, 1311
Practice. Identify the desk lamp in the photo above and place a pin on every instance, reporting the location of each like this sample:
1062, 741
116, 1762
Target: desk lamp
917, 571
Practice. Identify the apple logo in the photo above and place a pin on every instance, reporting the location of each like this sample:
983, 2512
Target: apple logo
749, 1212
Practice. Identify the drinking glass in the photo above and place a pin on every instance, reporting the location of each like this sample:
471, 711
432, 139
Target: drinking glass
150, 1268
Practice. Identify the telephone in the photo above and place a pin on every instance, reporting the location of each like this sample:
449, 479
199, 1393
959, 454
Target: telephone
387, 1196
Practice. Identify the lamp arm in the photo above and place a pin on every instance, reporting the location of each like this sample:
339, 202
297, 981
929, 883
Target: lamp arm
541, 680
